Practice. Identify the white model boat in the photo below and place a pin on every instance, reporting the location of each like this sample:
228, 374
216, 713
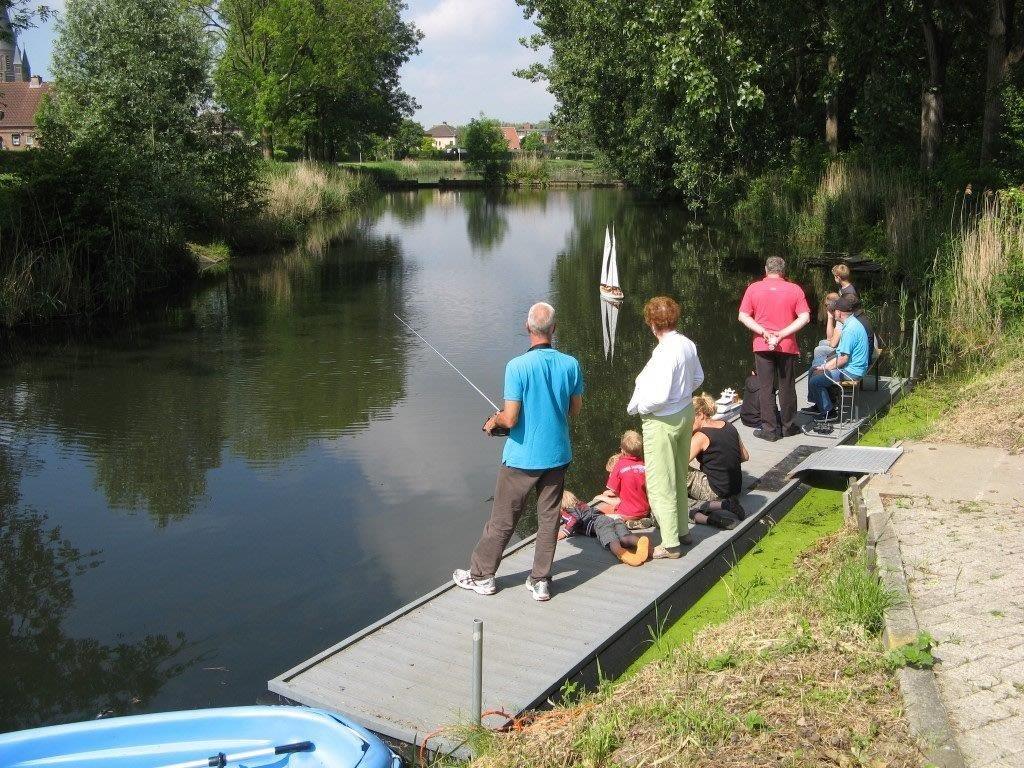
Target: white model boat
610, 290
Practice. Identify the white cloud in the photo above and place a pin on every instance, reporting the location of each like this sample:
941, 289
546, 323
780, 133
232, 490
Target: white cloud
454, 19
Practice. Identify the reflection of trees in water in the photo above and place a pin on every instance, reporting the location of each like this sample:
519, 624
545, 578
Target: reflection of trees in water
300, 382
282, 352
410, 206
486, 221
153, 431
48, 676
659, 253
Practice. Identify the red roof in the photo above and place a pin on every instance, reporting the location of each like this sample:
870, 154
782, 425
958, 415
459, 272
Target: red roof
511, 137
19, 103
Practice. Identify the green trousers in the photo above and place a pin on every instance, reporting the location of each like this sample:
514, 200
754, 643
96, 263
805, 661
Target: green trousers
667, 456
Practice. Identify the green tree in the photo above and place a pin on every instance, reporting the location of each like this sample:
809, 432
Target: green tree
128, 160
22, 14
486, 149
321, 74
532, 142
408, 137
693, 96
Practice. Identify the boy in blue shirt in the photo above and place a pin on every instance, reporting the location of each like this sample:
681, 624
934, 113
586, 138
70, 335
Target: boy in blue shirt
543, 390
849, 364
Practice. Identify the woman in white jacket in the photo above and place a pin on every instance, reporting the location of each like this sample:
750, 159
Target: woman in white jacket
663, 398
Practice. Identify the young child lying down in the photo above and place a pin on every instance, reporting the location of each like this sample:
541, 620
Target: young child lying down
582, 519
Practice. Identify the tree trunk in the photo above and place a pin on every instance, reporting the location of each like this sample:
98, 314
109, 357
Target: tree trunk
832, 109
932, 96
997, 70
267, 142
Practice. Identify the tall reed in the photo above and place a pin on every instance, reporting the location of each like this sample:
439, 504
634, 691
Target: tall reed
876, 213
302, 192
528, 168
973, 281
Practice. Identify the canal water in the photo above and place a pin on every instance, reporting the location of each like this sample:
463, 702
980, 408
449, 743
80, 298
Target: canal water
194, 504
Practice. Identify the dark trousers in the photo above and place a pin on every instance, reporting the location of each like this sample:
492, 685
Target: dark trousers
768, 365
510, 494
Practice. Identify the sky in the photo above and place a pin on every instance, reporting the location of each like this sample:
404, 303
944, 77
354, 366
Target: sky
469, 51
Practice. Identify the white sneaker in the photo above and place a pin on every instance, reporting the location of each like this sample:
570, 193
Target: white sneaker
539, 589
464, 579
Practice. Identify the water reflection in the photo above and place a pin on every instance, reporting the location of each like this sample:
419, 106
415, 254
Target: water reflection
609, 326
48, 675
282, 447
486, 223
247, 367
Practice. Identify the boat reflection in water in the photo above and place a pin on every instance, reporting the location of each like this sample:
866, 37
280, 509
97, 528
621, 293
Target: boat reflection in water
609, 322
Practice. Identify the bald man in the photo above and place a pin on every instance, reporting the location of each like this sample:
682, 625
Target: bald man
543, 390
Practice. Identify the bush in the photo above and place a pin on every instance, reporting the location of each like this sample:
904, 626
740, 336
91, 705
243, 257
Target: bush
298, 193
528, 169
487, 150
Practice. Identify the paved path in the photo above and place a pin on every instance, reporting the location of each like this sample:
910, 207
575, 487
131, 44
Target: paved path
958, 513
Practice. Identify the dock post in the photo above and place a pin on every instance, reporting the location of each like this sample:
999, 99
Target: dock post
913, 351
478, 670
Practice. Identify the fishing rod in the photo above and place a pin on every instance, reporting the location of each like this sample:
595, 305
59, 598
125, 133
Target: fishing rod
497, 430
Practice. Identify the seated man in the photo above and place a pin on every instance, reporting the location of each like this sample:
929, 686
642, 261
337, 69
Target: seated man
850, 363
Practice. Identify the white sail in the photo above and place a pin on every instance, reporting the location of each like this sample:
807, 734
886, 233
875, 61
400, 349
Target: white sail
612, 276
607, 255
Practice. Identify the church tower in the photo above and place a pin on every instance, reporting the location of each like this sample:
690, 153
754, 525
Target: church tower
14, 64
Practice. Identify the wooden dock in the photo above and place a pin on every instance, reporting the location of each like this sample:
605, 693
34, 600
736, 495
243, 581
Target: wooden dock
409, 674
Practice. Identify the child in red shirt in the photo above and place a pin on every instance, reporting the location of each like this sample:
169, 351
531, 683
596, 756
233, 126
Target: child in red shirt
626, 497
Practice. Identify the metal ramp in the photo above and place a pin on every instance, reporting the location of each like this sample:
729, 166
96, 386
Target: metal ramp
850, 460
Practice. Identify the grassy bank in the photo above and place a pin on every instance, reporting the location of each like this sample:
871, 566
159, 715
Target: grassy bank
764, 570
801, 678
782, 657
298, 194
525, 170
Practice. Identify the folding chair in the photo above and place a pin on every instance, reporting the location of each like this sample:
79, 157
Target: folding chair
845, 400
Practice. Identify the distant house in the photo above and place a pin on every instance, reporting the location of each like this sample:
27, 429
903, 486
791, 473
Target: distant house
19, 103
547, 135
511, 137
443, 136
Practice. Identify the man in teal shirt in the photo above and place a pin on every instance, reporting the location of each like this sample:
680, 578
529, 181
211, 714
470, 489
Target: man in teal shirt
850, 363
543, 390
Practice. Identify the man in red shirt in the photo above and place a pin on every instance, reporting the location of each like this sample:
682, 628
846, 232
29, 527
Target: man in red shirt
774, 309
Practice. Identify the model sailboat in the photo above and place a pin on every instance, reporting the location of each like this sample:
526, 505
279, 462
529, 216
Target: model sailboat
610, 290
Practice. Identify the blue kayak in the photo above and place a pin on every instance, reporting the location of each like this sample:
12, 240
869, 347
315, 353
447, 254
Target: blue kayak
237, 737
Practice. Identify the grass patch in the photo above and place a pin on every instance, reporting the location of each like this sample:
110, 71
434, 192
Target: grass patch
211, 259
300, 193
757, 575
787, 681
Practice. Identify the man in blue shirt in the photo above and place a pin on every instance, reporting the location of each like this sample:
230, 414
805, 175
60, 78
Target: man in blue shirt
543, 390
850, 363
